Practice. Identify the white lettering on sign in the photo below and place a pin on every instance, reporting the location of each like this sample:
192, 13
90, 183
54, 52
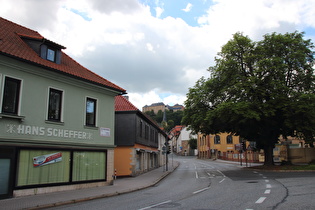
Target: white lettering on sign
50, 132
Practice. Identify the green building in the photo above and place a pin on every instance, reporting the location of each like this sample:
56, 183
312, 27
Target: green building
56, 117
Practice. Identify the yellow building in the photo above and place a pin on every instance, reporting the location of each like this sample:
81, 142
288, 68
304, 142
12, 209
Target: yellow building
155, 107
224, 146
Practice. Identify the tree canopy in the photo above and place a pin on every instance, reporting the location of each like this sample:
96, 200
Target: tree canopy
173, 118
258, 90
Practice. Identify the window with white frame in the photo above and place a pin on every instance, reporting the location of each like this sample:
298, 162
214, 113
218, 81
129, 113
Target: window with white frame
55, 105
90, 119
11, 96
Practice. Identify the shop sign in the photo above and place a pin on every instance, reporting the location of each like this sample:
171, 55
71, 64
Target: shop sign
47, 159
47, 131
105, 132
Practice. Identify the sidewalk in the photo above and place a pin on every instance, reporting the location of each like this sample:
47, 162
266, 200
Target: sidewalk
120, 186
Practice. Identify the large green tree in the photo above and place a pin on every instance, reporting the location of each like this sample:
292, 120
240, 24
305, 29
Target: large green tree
257, 90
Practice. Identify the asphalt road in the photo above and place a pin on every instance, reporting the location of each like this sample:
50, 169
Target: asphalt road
207, 184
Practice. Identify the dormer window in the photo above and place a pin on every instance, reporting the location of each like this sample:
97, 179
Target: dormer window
46, 49
51, 54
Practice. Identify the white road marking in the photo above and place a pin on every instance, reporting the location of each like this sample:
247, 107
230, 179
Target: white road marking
222, 180
152, 206
198, 191
196, 174
266, 180
264, 177
268, 185
267, 191
260, 200
221, 173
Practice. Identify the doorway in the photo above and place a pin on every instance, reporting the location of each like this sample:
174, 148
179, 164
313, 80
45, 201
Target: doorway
6, 172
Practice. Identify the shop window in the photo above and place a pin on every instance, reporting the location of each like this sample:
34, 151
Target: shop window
88, 166
90, 112
217, 139
11, 96
54, 105
34, 169
229, 139
41, 167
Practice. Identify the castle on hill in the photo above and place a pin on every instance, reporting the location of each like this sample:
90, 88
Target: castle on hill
161, 106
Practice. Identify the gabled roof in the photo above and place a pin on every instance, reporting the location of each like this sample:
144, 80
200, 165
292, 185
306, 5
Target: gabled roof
123, 104
12, 45
176, 130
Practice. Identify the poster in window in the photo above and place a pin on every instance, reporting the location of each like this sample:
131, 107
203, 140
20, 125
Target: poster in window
47, 159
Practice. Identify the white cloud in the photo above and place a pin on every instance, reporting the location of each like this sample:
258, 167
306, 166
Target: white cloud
188, 7
174, 99
150, 47
153, 96
158, 11
140, 100
148, 56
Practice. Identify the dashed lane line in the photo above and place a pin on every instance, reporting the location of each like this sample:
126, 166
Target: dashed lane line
260, 200
201, 190
155, 205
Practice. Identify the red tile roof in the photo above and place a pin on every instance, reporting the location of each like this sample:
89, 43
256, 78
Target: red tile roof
12, 45
176, 130
123, 104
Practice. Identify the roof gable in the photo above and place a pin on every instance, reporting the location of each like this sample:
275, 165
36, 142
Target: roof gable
12, 44
122, 104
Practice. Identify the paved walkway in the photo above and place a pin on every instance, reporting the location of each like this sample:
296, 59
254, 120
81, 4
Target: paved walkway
120, 186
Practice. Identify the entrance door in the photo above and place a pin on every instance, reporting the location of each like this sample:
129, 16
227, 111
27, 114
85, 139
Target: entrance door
5, 164
6, 171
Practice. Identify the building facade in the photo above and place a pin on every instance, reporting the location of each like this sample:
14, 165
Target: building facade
180, 136
227, 147
156, 107
56, 120
139, 140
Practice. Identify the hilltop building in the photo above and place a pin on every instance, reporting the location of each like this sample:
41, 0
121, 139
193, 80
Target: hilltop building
161, 106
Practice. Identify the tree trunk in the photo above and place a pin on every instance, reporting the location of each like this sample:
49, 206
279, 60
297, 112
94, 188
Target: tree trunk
268, 151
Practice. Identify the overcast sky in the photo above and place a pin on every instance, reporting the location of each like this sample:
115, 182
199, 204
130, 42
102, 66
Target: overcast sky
155, 49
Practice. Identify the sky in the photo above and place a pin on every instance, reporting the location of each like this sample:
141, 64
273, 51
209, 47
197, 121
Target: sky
156, 49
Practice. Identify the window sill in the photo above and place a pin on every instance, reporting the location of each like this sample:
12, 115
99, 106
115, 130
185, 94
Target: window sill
21, 118
91, 127
54, 122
